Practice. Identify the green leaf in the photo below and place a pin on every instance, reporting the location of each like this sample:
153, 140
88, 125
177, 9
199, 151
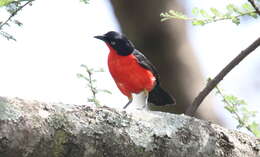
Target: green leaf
247, 7
195, 11
91, 70
255, 129
18, 22
7, 36
231, 99
254, 15
239, 109
5, 2
235, 20
173, 14
177, 14
253, 113
91, 100
215, 12
83, 77
198, 23
245, 118
105, 91
79, 75
204, 13
85, 1
244, 110
83, 66
165, 16
99, 70
233, 8
165, 19
230, 7
230, 108
242, 102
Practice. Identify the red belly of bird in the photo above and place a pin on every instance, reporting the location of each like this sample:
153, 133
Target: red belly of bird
129, 76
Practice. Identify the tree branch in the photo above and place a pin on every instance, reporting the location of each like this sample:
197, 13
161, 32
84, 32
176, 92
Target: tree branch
31, 128
14, 13
212, 83
252, 2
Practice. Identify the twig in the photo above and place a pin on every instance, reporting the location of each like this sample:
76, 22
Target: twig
207, 21
92, 88
212, 83
252, 2
89, 77
237, 116
14, 13
225, 18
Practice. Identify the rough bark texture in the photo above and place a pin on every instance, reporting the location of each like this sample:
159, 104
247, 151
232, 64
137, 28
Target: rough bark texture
34, 129
166, 44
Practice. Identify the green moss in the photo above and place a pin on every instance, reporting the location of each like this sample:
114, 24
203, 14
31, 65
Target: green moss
60, 138
58, 121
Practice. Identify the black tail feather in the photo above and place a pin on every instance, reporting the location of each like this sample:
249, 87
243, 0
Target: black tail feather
159, 97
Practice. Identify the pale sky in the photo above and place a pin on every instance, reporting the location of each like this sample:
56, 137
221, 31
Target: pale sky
57, 37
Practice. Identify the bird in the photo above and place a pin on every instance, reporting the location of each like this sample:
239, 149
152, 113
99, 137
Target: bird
132, 72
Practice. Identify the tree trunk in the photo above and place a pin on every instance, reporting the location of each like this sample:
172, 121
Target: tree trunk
34, 129
167, 46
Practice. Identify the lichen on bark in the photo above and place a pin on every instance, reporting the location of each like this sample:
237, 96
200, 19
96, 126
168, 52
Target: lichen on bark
31, 128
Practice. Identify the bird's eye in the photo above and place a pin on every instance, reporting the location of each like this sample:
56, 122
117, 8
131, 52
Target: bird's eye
113, 43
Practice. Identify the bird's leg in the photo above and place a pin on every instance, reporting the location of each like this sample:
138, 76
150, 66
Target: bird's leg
146, 92
129, 102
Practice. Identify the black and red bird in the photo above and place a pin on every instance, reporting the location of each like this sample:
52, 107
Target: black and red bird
132, 71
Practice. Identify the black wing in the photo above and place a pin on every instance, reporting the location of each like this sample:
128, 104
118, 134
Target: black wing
144, 62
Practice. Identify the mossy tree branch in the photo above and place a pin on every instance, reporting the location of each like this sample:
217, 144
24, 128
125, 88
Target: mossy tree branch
31, 128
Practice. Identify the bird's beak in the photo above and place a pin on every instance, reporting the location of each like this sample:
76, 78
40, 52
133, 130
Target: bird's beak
101, 37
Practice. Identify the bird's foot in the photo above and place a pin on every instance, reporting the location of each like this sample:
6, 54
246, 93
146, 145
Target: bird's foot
142, 108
